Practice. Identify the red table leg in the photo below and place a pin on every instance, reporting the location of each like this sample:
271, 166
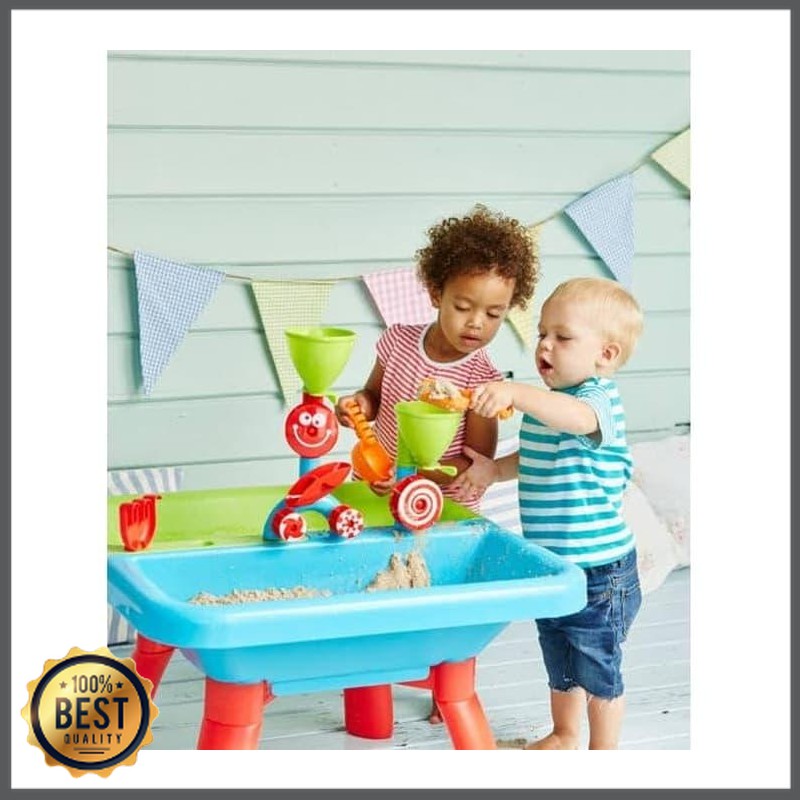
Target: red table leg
151, 659
461, 710
232, 715
424, 683
369, 711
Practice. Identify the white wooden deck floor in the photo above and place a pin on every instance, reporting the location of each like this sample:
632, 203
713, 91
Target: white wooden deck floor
511, 684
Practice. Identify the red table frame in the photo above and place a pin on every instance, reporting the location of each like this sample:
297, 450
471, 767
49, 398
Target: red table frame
233, 712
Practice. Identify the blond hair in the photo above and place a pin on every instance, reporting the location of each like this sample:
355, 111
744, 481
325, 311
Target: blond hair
617, 312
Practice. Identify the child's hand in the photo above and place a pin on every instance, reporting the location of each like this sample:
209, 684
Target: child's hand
382, 488
473, 481
340, 409
490, 399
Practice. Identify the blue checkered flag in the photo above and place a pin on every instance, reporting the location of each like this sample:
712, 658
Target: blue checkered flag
171, 296
605, 218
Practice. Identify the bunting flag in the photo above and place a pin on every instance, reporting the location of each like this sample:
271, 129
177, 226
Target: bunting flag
171, 296
674, 157
521, 320
605, 217
400, 297
285, 304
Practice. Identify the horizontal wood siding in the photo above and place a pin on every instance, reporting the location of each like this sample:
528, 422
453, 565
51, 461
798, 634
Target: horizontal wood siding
333, 164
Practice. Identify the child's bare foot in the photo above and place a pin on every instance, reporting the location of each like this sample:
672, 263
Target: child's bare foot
553, 741
435, 716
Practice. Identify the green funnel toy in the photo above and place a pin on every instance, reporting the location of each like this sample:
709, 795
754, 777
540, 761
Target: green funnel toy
425, 433
319, 355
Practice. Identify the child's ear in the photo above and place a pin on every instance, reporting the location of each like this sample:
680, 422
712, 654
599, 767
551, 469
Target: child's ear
610, 354
436, 297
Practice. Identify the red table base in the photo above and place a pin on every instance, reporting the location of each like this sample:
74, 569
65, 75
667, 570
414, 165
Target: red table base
233, 712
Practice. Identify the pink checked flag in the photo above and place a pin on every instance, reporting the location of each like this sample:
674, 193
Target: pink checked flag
605, 217
171, 296
400, 297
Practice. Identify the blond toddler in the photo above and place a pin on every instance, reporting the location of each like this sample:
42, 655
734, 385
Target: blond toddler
573, 465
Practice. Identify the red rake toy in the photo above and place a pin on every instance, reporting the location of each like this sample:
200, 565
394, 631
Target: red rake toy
137, 522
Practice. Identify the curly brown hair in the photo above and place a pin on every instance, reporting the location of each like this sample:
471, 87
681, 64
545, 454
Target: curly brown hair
482, 241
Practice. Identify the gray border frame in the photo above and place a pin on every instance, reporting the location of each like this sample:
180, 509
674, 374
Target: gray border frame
5, 358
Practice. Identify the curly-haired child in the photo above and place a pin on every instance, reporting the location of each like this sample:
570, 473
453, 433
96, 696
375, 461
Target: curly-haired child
475, 269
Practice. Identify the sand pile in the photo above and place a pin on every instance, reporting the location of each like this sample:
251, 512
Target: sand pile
256, 596
409, 574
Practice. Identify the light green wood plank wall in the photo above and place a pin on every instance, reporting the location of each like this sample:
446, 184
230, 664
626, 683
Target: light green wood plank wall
318, 164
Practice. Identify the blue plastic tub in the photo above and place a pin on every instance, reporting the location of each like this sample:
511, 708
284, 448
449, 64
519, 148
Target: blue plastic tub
482, 576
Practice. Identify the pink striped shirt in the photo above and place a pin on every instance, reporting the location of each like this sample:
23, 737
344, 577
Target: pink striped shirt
402, 355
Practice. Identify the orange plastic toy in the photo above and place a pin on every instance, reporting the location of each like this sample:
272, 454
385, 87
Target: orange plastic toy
369, 458
444, 394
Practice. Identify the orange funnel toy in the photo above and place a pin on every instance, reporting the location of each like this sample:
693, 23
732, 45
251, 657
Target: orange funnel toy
369, 458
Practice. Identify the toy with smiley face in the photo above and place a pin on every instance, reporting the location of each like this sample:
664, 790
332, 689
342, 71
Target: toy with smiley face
311, 428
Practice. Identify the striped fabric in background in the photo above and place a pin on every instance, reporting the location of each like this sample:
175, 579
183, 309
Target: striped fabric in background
119, 629
149, 480
500, 504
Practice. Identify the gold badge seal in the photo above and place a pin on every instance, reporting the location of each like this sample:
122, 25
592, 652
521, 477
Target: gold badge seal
89, 712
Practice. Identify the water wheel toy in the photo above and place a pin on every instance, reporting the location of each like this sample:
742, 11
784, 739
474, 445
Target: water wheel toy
287, 524
369, 457
424, 432
416, 502
311, 430
316, 483
445, 394
346, 522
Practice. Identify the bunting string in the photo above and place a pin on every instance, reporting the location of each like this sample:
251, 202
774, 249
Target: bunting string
676, 147
171, 294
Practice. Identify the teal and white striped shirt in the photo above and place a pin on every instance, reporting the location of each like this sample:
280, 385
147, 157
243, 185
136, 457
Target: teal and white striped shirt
570, 487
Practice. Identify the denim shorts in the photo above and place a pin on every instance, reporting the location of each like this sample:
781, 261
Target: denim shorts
583, 649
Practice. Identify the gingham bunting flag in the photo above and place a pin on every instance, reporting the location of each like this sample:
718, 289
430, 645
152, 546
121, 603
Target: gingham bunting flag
400, 297
284, 304
521, 320
605, 217
171, 295
674, 157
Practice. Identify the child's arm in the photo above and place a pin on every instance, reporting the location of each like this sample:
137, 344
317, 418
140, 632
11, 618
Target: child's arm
369, 398
556, 410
